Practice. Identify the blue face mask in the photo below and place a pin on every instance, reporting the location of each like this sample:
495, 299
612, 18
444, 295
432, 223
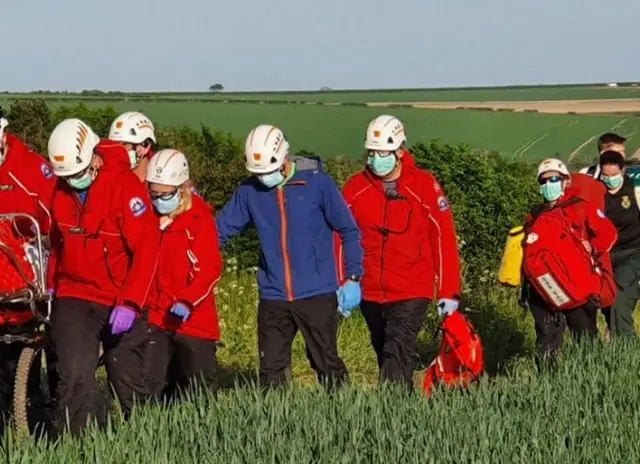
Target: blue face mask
382, 165
551, 191
166, 206
613, 182
272, 179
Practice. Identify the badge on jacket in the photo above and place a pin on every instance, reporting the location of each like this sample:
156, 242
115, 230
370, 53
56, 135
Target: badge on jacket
443, 203
626, 202
46, 172
137, 206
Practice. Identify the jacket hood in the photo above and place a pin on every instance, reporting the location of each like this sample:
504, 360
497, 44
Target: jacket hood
114, 155
307, 163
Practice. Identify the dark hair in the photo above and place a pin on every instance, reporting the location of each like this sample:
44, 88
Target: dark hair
612, 157
610, 137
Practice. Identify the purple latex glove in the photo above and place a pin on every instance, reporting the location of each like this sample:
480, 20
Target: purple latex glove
51, 292
121, 319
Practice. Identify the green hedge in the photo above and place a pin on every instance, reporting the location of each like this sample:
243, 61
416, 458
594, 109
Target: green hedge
488, 193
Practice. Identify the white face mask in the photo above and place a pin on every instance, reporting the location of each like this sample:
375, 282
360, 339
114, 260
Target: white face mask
133, 158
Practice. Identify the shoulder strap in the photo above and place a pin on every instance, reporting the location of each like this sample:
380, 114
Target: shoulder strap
593, 170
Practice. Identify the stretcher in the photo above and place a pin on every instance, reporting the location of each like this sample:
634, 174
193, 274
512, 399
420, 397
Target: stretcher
25, 309
23, 262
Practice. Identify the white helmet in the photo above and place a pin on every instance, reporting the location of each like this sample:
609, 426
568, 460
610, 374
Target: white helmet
553, 164
71, 146
132, 127
168, 167
385, 133
265, 149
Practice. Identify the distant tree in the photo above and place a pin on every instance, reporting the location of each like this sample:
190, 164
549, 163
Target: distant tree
216, 88
325, 89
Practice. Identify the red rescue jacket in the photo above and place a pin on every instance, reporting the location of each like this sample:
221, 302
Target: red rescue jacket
587, 188
107, 250
190, 265
588, 221
26, 184
409, 242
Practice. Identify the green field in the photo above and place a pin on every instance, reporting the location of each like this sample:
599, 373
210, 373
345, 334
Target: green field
332, 131
582, 92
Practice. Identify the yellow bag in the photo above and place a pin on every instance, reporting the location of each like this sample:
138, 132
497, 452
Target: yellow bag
510, 268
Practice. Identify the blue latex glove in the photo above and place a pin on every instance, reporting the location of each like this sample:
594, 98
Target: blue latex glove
121, 319
446, 306
180, 310
349, 297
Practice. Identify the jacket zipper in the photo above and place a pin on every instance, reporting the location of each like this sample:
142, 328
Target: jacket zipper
283, 244
385, 237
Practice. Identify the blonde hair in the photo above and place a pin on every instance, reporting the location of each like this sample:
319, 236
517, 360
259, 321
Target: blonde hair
186, 201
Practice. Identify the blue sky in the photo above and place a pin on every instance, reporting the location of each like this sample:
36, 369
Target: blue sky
145, 45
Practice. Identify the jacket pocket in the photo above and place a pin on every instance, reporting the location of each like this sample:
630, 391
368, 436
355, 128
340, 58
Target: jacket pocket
83, 259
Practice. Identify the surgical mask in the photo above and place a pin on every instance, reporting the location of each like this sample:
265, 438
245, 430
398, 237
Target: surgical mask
81, 183
613, 182
551, 191
272, 179
382, 165
166, 206
133, 158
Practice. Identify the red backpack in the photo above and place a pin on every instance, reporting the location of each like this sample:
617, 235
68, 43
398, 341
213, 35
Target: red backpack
559, 267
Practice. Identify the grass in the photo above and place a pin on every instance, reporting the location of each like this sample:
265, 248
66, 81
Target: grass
581, 409
340, 130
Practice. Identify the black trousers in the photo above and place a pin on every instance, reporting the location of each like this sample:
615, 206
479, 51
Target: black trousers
394, 329
550, 325
194, 360
317, 318
78, 328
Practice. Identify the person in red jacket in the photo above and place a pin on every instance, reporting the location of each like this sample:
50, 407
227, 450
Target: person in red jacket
183, 318
26, 181
105, 245
598, 235
137, 133
410, 247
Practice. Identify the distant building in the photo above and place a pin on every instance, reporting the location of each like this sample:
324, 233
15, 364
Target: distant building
613, 84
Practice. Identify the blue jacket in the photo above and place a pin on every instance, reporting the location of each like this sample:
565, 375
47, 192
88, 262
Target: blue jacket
295, 225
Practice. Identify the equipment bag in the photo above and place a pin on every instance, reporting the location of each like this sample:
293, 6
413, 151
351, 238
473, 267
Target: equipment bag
510, 273
16, 269
460, 360
557, 264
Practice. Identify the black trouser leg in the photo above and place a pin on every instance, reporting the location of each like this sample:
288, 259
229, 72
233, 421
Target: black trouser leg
402, 323
374, 317
317, 319
626, 270
76, 326
276, 331
124, 359
197, 359
583, 323
549, 325
158, 355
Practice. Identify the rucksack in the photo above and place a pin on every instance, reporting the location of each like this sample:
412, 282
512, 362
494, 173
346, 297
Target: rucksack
559, 267
460, 360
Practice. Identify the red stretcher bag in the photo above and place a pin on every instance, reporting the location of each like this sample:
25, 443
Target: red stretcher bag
16, 270
562, 271
460, 360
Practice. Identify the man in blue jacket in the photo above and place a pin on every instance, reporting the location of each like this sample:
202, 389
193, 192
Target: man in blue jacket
296, 207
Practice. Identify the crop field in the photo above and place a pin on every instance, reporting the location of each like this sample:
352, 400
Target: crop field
338, 130
581, 409
520, 93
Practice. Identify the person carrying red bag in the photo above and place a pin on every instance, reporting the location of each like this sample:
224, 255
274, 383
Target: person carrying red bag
410, 247
183, 318
588, 232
